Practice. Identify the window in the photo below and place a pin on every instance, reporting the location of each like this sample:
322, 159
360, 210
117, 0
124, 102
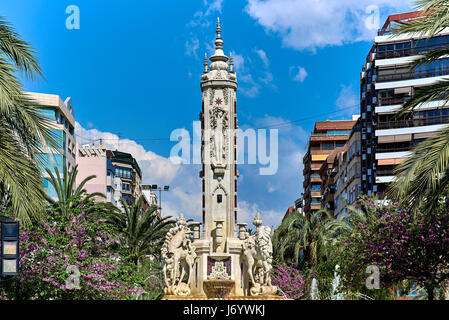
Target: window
219, 198
58, 135
327, 146
48, 113
123, 172
339, 132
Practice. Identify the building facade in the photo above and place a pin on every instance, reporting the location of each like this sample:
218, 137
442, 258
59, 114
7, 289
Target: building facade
126, 168
386, 83
326, 136
62, 125
117, 174
348, 182
328, 173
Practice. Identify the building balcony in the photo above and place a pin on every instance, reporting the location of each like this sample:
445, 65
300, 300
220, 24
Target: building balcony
381, 148
386, 172
316, 194
407, 52
391, 101
412, 75
413, 123
316, 179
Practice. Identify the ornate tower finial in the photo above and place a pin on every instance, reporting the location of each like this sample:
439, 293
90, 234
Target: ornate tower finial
257, 220
206, 64
219, 54
218, 28
231, 64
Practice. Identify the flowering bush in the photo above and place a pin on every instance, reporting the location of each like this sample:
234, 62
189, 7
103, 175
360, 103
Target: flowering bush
404, 245
289, 280
80, 245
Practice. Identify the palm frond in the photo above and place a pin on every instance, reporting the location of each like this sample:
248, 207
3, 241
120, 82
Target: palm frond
433, 18
423, 173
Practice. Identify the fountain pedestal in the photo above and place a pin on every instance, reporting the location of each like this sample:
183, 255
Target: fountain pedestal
218, 289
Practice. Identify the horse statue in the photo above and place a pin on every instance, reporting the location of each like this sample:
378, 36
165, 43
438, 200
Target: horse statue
179, 256
258, 257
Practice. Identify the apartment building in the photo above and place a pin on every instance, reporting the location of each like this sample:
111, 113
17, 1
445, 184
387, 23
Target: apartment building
386, 83
94, 161
127, 169
328, 172
326, 136
117, 174
62, 125
347, 167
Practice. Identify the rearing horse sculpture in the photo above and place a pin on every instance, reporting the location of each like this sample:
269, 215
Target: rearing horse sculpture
258, 257
179, 256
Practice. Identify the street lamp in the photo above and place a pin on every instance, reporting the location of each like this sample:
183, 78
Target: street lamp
9, 247
155, 187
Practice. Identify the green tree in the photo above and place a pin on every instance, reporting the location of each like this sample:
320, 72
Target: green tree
70, 197
421, 179
23, 129
143, 230
311, 235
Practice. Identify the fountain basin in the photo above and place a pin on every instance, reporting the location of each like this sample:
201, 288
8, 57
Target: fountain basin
218, 289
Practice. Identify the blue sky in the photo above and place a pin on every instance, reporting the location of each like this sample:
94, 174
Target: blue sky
133, 71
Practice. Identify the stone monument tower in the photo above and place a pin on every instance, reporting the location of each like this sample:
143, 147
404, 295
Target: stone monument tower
220, 257
219, 243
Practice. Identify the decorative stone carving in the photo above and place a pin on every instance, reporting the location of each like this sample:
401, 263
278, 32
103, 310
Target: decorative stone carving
219, 272
211, 96
179, 256
218, 75
219, 123
258, 257
226, 95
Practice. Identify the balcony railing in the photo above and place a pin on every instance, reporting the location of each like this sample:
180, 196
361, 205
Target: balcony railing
406, 52
413, 123
387, 172
412, 75
381, 148
390, 101
330, 134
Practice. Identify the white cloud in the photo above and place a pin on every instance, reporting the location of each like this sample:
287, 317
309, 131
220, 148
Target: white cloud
311, 24
248, 85
239, 62
267, 77
192, 47
263, 56
299, 73
213, 6
348, 101
200, 18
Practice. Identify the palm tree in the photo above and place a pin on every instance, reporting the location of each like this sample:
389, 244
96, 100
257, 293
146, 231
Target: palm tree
422, 178
311, 235
23, 129
69, 197
143, 230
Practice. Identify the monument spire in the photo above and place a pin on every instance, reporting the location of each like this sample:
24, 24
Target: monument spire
219, 54
206, 64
